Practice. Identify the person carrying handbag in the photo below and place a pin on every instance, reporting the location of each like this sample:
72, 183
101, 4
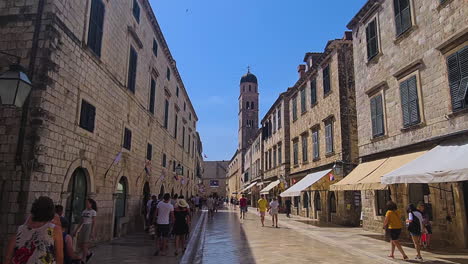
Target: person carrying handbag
415, 227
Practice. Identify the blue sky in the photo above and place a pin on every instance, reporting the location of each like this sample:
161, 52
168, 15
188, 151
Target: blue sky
213, 42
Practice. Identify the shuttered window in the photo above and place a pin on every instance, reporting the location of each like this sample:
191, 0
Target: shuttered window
315, 144
279, 117
329, 136
166, 114
176, 122
149, 151
326, 80
294, 108
409, 102
87, 116
377, 116
127, 142
96, 26
305, 148
280, 155
457, 65
164, 161
168, 74
136, 10
303, 101
152, 96
177, 91
372, 40
402, 16
296, 152
274, 158
132, 68
155, 47
183, 138
313, 91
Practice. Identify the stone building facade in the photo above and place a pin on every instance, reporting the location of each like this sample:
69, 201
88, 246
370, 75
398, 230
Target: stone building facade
215, 177
234, 176
107, 105
419, 55
276, 142
323, 132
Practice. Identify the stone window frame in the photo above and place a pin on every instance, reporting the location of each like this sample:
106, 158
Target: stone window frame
315, 154
305, 154
449, 49
136, 11
417, 74
152, 108
379, 89
87, 29
92, 102
294, 109
412, 28
295, 150
303, 96
379, 53
388, 195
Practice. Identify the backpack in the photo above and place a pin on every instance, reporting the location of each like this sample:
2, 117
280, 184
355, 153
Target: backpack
414, 226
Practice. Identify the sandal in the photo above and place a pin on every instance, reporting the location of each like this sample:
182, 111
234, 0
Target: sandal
391, 256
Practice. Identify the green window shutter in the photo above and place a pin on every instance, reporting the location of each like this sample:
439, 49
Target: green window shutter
454, 77
326, 80
413, 101
166, 114
132, 68
313, 91
463, 64
405, 103
303, 101
96, 25
152, 96
374, 116
402, 16
372, 40
379, 115
149, 152
155, 48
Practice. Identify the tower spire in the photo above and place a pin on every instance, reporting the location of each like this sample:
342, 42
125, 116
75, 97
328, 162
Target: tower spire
248, 69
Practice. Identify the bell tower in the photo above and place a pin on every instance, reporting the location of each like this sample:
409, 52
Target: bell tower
248, 110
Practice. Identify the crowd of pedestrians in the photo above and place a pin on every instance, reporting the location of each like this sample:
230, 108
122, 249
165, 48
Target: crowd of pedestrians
43, 237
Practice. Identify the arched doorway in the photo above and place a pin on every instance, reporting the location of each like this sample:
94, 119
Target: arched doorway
76, 202
317, 204
420, 193
161, 191
120, 203
331, 205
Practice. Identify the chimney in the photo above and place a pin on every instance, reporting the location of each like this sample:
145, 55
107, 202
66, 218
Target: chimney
348, 35
301, 70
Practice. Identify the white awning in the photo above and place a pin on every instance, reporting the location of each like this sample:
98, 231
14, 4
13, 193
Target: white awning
270, 186
445, 163
303, 184
248, 187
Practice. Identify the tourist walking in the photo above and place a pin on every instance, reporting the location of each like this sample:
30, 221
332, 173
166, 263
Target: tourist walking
86, 229
415, 227
426, 242
288, 207
243, 206
393, 225
59, 212
262, 206
181, 225
274, 209
69, 256
210, 204
164, 216
38, 240
196, 202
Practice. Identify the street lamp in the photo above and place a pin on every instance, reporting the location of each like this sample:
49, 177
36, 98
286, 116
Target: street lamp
179, 169
14, 85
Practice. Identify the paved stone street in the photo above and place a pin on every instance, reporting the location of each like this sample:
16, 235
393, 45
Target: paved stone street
227, 239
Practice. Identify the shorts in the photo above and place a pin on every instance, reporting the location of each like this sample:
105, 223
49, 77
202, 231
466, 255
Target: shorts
85, 234
416, 234
243, 209
163, 231
394, 233
274, 211
262, 213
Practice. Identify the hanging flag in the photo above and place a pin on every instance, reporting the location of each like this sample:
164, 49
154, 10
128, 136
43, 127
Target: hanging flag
332, 177
183, 181
116, 160
176, 177
148, 167
204, 155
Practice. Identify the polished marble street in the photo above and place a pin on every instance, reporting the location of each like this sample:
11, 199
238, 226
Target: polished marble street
227, 239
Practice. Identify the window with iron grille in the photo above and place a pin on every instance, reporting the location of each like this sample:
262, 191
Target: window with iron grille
127, 142
372, 39
326, 80
409, 102
377, 116
303, 101
87, 116
152, 95
136, 10
305, 147
132, 69
296, 152
457, 67
329, 136
96, 26
315, 144
155, 47
313, 91
149, 151
166, 114
402, 16
294, 108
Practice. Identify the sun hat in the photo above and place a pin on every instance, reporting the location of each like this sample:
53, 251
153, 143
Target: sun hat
181, 203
